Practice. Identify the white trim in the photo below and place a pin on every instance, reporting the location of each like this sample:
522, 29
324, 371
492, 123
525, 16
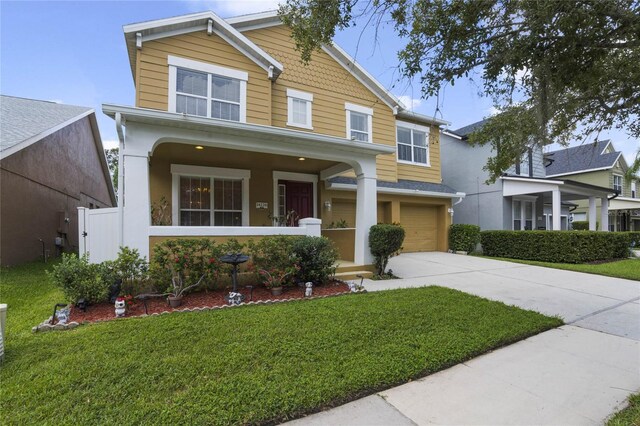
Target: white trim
305, 96
35, 138
588, 170
605, 147
358, 108
548, 221
296, 177
613, 178
224, 231
383, 190
523, 215
172, 33
349, 108
210, 69
301, 96
514, 178
207, 67
418, 128
178, 170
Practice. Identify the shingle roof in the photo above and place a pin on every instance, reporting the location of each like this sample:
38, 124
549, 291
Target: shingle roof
411, 185
579, 158
22, 119
470, 128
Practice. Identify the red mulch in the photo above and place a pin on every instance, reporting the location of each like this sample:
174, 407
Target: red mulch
210, 298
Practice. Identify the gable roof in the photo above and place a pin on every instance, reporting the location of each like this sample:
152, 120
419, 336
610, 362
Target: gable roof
136, 34
26, 121
581, 158
470, 128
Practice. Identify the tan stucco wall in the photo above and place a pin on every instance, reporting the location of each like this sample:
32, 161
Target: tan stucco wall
41, 182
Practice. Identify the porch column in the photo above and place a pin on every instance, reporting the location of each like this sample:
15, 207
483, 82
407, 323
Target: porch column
592, 213
604, 214
556, 209
366, 215
137, 206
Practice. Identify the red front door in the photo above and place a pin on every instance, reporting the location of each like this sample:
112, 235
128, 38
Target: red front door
299, 198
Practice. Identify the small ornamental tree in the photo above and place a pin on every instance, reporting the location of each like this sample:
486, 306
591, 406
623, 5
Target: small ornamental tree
385, 241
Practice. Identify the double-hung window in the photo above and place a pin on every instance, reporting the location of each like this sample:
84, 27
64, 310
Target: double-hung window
523, 214
634, 190
299, 109
207, 90
210, 196
413, 143
617, 183
359, 122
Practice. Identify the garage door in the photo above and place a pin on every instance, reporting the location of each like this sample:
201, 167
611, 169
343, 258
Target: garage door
421, 228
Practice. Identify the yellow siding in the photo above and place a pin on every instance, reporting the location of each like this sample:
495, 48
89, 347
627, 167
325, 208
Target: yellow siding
331, 86
153, 71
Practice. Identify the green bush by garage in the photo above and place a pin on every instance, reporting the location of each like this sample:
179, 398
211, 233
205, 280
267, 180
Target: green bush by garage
464, 237
556, 246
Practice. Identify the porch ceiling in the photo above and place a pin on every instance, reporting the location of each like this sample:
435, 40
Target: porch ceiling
180, 153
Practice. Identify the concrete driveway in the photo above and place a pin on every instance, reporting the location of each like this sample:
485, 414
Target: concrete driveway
577, 374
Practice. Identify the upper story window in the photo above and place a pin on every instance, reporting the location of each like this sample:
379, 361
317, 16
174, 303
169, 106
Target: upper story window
634, 191
299, 109
207, 90
524, 167
617, 183
359, 122
413, 143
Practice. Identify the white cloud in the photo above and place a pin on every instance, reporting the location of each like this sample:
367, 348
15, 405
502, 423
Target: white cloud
409, 102
493, 111
226, 8
109, 143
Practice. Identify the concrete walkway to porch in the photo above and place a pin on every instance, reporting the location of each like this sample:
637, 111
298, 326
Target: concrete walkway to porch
577, 374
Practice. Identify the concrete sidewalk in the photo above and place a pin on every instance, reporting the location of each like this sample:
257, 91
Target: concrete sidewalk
577, 374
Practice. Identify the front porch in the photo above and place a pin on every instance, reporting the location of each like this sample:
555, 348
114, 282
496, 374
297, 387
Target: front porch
529, 196
222, 180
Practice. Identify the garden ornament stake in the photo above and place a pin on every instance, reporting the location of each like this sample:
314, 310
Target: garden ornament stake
56, 313
308, 291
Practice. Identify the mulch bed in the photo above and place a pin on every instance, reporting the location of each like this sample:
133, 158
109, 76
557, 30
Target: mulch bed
210, 298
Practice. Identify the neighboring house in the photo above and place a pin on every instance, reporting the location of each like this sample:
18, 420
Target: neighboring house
236, 132
600, 164
523, 198
51, 163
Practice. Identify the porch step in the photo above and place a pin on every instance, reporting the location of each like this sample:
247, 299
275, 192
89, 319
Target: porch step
346, 266
353, 275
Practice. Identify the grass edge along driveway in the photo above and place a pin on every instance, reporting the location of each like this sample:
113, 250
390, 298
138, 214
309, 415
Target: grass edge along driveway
246, 365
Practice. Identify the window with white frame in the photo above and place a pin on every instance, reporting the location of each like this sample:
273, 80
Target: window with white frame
299, 109
617, 183
413, 143
523, 214
634, 190
207, 90
210, 196
359, 122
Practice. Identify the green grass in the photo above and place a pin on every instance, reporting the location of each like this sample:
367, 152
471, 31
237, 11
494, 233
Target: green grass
627, 268
252, 364
630, 416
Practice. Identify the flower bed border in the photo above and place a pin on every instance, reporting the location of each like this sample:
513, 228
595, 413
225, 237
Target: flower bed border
45, 326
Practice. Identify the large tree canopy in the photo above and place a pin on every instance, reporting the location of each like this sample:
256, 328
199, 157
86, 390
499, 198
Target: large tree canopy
557, 69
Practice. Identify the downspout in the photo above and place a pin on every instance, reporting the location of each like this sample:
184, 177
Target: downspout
120, 132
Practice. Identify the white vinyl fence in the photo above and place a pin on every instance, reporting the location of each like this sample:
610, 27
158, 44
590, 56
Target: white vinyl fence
98, 233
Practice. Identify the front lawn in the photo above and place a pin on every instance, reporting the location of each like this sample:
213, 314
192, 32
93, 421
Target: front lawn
251, 364
627, 268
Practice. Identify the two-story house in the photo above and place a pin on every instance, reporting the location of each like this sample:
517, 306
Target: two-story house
524, 198
600, 164
241, 137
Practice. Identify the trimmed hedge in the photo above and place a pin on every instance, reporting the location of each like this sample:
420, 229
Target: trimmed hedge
634, 238
385, 241
464, 237
556, 246
581, 225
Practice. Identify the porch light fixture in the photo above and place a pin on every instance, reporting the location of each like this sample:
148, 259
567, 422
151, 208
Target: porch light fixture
301, 159
199, 147
327, 205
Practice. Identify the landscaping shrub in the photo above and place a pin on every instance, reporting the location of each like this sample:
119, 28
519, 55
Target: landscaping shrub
188, 258
80, 279
273, 260
555, 246
580, 225
464, 237
385, 241
131, 269
634, 239
316, 258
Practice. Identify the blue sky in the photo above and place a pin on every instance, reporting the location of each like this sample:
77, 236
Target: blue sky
74, 52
